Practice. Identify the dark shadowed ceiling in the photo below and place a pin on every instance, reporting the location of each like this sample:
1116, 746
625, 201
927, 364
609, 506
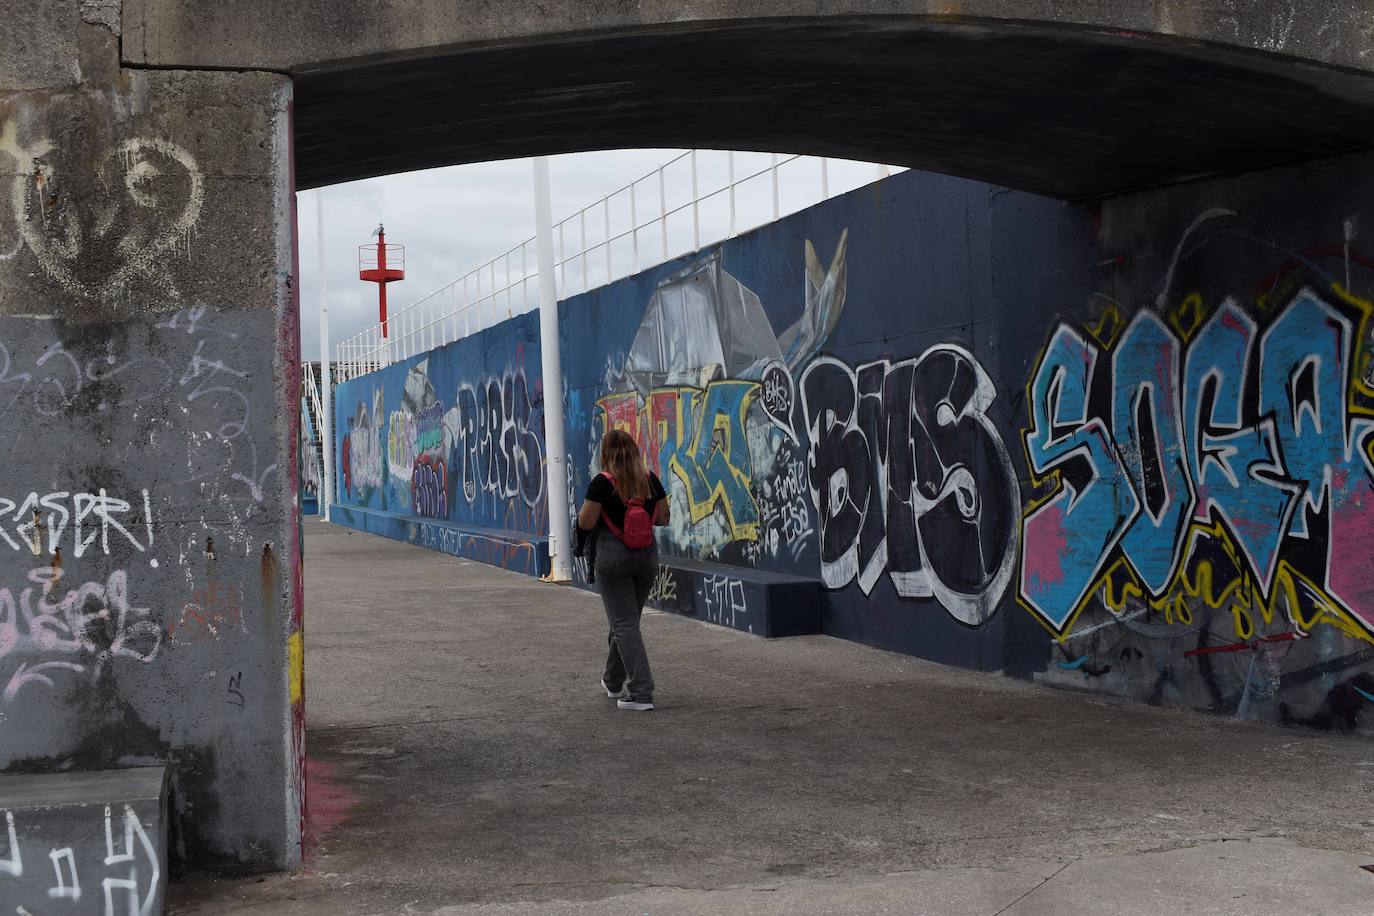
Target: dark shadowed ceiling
1067, 112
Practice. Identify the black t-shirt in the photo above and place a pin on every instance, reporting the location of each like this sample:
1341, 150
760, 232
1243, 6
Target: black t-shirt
601, 490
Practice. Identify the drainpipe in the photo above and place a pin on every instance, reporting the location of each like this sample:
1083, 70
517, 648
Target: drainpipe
560, 531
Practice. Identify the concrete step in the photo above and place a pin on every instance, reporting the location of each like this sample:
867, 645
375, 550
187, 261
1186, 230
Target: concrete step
753, 600
515, 550
78, 843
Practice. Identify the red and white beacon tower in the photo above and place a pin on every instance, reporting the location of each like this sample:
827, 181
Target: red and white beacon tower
382, 264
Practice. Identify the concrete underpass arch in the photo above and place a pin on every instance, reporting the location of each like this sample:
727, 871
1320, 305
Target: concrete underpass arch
1076, 99
1073, 100
1065, 111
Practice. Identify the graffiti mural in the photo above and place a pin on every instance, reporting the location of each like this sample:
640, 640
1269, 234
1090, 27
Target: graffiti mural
1225, 463
698, 436
1187, 516
909, 476
495, 441
1202, 473
362, 447
443, 452
706, 389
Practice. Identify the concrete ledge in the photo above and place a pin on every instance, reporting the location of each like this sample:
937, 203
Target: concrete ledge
92, 842
514, 550
764, 603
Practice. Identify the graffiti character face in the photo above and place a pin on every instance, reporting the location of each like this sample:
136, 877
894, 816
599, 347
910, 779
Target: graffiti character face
99, 234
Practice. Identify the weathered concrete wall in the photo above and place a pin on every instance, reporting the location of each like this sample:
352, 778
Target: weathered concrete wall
1126, 448
149, 550
295, 36
1074, 99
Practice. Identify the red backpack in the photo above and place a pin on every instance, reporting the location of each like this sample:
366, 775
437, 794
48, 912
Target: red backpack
638, 532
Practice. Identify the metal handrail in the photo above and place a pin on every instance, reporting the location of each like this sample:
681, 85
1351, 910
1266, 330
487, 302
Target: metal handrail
316, 409
500, 289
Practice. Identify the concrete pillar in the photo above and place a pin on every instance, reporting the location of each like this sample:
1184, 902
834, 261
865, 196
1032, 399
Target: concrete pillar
149, 376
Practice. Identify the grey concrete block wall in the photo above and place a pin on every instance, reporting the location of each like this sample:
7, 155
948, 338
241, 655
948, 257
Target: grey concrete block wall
149, 540
319, 33
76, 843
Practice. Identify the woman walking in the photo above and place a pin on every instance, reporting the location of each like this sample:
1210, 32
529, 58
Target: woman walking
625, 500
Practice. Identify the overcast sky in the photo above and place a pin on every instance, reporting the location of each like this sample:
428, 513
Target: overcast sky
452, 220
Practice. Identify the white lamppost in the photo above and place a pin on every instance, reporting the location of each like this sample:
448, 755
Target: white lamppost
560, 531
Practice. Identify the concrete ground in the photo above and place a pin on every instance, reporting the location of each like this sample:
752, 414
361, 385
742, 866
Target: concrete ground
463, 760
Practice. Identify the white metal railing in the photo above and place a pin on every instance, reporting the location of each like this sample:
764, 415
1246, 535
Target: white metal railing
312, 407
626, 237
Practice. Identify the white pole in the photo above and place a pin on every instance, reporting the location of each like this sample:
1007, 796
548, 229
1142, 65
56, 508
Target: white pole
696, 219
326, 421
775, 187
560, 531
634, 226
730, 158
663, 212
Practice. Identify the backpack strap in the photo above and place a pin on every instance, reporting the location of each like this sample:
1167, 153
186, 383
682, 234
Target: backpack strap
617, 531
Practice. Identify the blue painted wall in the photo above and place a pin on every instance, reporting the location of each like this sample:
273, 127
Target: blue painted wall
1126, 446
446, 449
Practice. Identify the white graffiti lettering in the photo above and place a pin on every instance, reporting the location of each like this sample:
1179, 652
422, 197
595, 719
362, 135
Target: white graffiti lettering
94, 623
723, 600
91, 517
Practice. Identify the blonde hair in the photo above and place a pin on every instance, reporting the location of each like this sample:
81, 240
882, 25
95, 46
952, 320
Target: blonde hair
621, 459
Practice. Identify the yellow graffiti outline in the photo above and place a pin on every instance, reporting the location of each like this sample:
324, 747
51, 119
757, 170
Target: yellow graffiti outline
1100, 333
1242, 596
1357, 383
699, 511
1187, 316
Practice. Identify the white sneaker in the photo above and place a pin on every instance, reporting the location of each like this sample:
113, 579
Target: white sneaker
613, 694
637, 705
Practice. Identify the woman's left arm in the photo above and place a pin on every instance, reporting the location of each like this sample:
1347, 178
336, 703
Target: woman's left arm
588, 515
663, 514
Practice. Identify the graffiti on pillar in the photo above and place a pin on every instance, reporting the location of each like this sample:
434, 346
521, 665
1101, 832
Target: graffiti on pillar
910, 478
116, 870
142, 203
53, 629
707, 391
52, 380
1205, 456
213, 611
83, 523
